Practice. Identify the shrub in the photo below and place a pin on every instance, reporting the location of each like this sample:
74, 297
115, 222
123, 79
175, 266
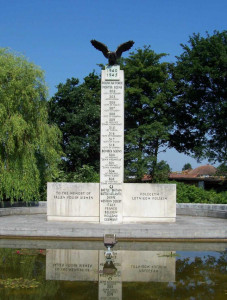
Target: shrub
192, 194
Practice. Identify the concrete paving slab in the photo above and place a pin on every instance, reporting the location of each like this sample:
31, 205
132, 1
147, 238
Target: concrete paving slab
186, 227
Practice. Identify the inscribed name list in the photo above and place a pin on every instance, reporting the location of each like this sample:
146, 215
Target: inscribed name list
112, 145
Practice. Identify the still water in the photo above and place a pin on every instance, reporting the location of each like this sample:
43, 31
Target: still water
136, 271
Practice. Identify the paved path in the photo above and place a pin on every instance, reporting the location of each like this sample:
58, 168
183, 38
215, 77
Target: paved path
186, 227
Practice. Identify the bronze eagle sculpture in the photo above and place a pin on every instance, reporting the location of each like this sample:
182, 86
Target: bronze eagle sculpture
112, 55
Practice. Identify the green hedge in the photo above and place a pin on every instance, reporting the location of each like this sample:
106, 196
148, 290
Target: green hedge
192, 194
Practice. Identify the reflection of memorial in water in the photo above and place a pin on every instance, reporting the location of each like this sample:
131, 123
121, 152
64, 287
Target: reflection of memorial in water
125, 266
72, 265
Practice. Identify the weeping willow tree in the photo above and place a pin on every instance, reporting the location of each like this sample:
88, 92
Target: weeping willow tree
29, 146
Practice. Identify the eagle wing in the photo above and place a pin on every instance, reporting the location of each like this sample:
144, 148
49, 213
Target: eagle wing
123, 47
101, 47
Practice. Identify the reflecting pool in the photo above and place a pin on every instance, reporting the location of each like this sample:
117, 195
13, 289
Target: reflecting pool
80, 270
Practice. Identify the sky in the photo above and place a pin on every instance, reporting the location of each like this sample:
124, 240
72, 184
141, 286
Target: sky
56, 34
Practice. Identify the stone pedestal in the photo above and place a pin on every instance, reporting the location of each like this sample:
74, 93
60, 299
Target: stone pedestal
147, 203
73, 202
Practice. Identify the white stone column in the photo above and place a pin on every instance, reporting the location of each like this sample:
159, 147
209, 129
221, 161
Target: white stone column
112, 145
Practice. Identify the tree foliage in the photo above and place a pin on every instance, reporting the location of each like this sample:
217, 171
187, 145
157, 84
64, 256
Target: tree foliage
29, 146
161, 172
187, 166
148, 115
75, 108
187, 193
222, 170
201, 106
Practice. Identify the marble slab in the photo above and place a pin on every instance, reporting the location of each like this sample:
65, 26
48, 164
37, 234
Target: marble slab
146, 203
73, 202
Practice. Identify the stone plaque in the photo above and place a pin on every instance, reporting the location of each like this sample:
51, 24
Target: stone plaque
144, 202
73, 202
112, 145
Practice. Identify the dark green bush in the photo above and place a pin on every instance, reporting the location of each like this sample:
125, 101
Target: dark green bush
192, 194
224, 195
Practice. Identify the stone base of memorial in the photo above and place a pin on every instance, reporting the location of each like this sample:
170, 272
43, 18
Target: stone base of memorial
77, 202
142, 203
146, 203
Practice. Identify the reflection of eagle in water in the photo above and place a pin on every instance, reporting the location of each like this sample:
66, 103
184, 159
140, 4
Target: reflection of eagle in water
112, 55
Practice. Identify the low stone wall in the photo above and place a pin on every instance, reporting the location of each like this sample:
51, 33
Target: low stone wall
31, 210
189, 209
202, 210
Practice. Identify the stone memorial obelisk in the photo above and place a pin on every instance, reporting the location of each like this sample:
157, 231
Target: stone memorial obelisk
112, 135
112, 145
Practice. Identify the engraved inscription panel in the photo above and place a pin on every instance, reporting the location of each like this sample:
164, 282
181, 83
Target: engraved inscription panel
147, 201
72, 200
112, 146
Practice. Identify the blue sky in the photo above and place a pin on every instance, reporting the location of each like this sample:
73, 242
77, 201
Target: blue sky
56, 34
